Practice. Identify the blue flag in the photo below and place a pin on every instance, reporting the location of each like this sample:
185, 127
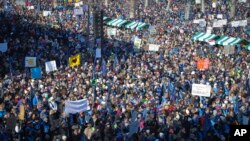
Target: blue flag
36, 73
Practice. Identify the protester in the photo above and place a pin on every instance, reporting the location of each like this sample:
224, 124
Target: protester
136, 95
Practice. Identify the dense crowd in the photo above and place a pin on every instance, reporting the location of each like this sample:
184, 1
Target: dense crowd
143, 95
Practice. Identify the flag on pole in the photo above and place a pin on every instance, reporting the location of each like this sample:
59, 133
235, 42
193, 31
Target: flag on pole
75, 60
77, 106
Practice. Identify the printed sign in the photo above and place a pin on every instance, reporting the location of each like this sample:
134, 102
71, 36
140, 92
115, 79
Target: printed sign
3, 47
50, 66
30, 61
78, 11
153, 47
201, 90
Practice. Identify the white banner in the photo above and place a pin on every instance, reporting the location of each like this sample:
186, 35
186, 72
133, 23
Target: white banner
209, 30
31, 7
242, 0
201, 90
219, 16
30, 61
220, 23
77, 106
197, 21
111, 31
198, 1
153, 47
78, 11
239, 23
3, 47
46, 13
98, 53
50, 66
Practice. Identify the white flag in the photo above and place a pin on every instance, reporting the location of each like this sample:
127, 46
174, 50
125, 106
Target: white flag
30, 61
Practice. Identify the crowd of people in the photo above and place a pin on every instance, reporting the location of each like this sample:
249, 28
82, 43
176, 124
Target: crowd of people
138, 95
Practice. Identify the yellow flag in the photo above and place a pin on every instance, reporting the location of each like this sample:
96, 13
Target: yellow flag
70, 1
77, 0
75, 60
21, 113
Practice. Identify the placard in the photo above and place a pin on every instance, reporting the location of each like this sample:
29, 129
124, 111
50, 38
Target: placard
198, 1
153, 47
3, 47
78, 11
111, 32
50, 66
30, 61
201, 90
46, 13
36, 73
137, 43
98, 53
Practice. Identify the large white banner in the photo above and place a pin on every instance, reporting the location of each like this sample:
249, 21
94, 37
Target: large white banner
220, 23
3, 47
201, 90
50, 66
30, 61
153, 47
239, 23
77, 106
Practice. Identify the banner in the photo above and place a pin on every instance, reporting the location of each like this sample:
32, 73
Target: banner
197, 1
46, 13
137, 43
201, 90
239, 23
36, 73
153, 47
3, 47
219, 16
21, 114
203, 64
228, 50
78, 11
73, 107
220, 23
242, 0
98, 53
20, 2
75, 60
50, 66
31, 7
30, 61
197, 21
111, 31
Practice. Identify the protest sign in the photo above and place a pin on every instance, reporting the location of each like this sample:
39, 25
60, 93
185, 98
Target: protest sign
197, 21
36, 73
77, 106
153, 47
197, 1
3, 47
78, 11
228, 50
75, 60
137, 43
111, 31
98, 53
203, 64
201, 90
30, 61
46, 13
50, 66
